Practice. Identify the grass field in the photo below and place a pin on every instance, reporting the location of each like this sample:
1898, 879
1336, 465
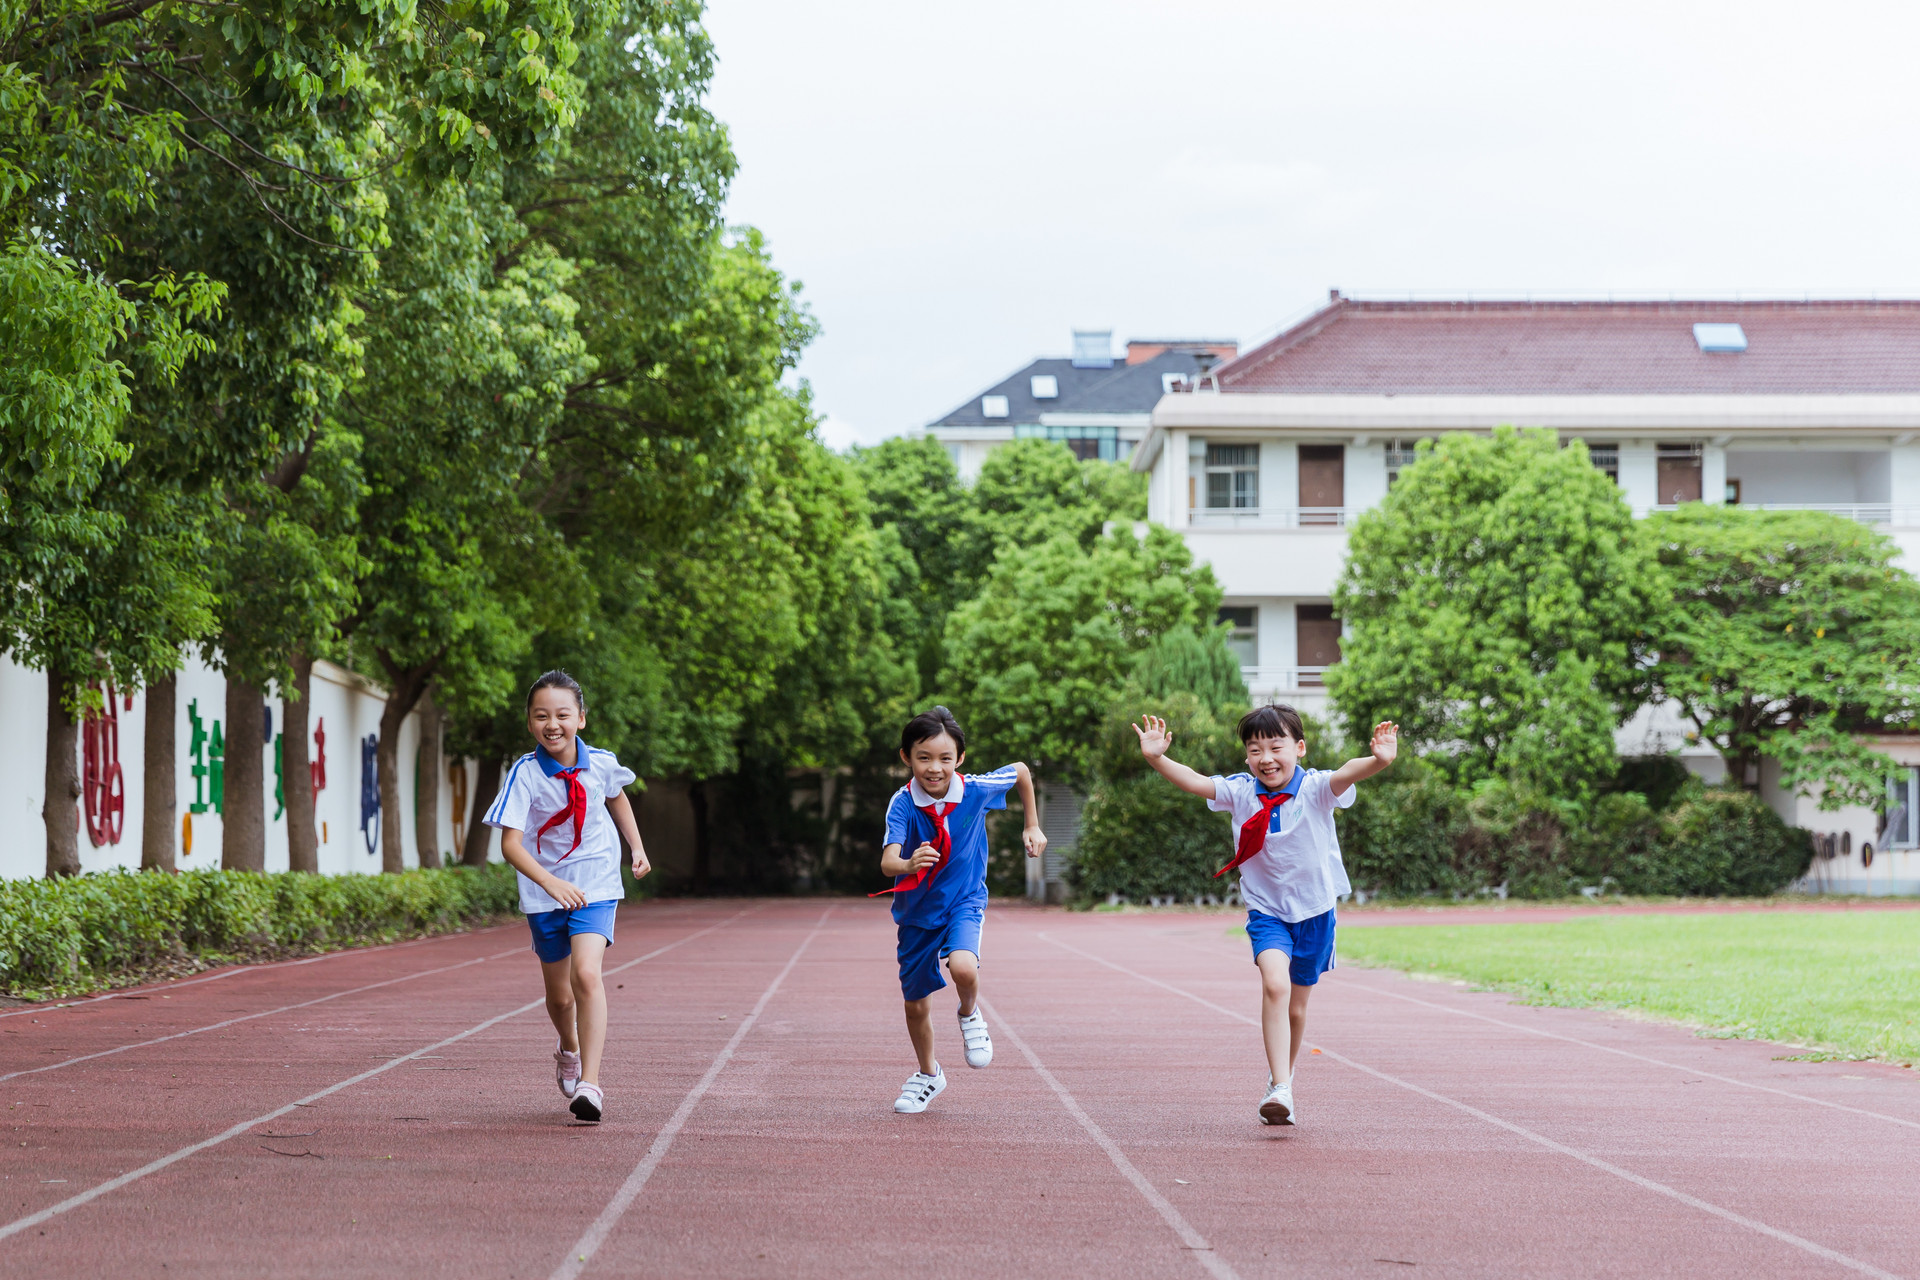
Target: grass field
1843, 984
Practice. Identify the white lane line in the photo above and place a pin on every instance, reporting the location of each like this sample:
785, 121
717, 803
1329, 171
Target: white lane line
264, 1013
596, 1235
1637, 1057
1352, 984
1195, 1242
1658, 1188
86, 1001
154, 1166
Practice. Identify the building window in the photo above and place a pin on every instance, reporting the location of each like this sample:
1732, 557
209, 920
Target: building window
1317, 641
1085, 443
993, 406
1902, 827
1244, 639
1733, 493
1233, 475
953, 451
1605, 457
1400, 456
1679, 474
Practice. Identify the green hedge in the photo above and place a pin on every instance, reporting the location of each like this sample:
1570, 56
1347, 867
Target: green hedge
63, 937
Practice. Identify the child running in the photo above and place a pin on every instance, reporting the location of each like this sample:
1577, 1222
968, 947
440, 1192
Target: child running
1289, 861
940, 892
570, 881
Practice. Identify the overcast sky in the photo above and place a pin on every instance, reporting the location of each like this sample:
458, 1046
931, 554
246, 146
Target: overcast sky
960, 185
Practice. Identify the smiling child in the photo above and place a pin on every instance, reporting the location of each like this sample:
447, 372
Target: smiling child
1289, 860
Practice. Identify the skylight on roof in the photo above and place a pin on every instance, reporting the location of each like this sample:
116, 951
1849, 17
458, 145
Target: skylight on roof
993, 406
1720, 337
1045, 386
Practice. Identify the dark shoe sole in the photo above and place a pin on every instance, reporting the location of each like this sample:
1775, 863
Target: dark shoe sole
583, 1109
1275, 1113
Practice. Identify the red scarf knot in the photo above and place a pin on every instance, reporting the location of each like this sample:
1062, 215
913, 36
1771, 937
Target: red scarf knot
576, 809
1253, 832
942, 843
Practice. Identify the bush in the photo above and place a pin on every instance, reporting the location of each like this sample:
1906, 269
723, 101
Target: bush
63, 937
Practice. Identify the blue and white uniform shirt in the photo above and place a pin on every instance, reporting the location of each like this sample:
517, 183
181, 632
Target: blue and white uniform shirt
1299, 874
962, 882
534, 792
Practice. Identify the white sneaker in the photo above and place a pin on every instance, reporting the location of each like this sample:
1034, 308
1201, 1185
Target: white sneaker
1277, 1107
973, 1030
588, 1102
566, 1070
919, 1090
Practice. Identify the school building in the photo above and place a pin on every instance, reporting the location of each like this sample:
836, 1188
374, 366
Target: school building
1263, 461
344, 725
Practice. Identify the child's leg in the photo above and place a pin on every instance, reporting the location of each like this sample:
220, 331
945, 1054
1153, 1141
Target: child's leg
920, 1031
1283, 1012
558, 975
964, 968
590, 1002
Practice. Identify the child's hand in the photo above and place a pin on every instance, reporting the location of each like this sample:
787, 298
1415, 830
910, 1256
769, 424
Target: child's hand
640, 865
565, 894
1036, 841
1386, 741
923, 857
1154, 736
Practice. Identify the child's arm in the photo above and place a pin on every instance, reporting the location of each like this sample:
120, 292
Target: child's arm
1155, 738
1033, 837
520, 860
1385, 746
622, 810
892, 864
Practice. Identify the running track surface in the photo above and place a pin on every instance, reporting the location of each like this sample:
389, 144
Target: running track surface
392, 1111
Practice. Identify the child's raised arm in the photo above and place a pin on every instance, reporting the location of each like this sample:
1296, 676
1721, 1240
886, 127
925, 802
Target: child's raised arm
1385, 746
1155, 738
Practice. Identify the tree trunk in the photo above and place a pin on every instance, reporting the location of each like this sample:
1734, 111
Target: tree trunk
159, 785
403, 692
426, 786
702, 842
486, 786
243, 820
296, 768
61, 812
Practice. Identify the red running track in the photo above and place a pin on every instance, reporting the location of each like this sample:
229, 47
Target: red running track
392, 1111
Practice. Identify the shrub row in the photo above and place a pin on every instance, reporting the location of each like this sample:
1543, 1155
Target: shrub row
64, 937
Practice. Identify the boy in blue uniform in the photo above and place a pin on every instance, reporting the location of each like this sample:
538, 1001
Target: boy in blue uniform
1289, 861
940, 891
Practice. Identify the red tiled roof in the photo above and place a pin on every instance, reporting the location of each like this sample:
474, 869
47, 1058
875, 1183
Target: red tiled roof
1575, 348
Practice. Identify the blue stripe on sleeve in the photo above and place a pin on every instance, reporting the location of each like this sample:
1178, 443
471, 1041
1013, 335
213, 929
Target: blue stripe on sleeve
500, 800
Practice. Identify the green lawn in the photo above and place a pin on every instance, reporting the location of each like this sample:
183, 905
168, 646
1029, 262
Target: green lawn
1838, 983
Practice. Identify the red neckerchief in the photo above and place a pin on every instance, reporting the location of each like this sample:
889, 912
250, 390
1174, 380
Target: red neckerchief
1253, 832
942, 842
576, 809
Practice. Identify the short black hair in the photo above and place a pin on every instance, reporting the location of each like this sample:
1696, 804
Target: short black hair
1276, 721
557, 679
931, 724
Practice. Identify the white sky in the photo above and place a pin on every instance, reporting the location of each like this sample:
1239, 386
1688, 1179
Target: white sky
958, 186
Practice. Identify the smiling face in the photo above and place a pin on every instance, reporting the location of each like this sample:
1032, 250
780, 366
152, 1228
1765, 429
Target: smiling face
555, 720
1273, 760
934, 761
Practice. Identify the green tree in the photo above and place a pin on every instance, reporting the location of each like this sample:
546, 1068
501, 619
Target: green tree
1789, 634
1496, 605
1034, 660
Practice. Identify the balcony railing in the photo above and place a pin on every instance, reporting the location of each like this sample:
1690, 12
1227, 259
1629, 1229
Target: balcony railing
1270, 517
1864, 512
1284, 679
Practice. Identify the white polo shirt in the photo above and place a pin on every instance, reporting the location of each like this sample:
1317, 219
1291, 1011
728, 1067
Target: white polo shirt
1298, 875
533, 792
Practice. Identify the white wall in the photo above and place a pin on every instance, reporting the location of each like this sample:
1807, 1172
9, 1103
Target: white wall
1827, 476
346, 706
1366, 475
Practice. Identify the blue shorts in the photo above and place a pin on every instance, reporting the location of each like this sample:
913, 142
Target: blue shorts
1309, 942
922, 950
553, 930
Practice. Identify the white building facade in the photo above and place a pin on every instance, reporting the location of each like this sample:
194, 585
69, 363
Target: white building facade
1789, 405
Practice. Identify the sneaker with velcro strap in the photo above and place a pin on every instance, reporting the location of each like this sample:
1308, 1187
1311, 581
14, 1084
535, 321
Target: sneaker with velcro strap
566, 1070
588, 1102
919, 1090
973, 1030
